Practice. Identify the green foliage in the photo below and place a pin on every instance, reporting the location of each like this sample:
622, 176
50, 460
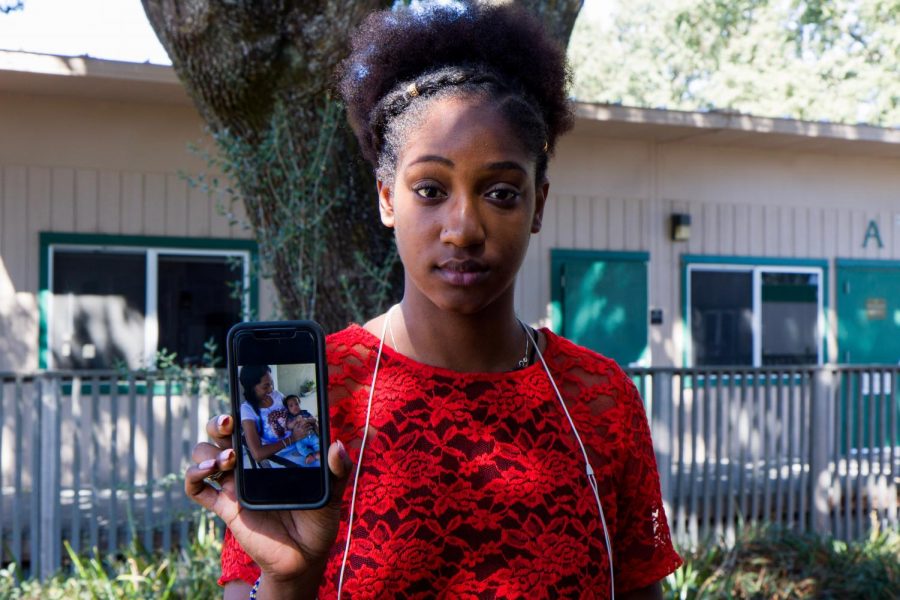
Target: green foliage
190, 572
835, 60
771, 563
284, 185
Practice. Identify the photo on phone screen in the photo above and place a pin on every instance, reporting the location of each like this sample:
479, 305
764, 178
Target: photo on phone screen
277, 376
290, 415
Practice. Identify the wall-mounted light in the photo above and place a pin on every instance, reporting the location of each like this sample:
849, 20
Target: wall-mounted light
681, 227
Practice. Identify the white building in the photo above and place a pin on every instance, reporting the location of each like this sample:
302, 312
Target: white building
793, 254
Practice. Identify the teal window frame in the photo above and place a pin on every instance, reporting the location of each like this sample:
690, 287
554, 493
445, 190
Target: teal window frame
750, 263
49, 241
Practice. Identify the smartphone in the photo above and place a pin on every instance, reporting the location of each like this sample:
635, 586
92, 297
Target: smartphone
279, 401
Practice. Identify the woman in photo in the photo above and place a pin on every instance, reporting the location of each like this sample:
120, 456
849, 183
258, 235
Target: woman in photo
267, 440
475, 456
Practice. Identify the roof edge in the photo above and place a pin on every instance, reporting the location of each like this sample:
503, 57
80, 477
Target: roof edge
85, 66
733, 121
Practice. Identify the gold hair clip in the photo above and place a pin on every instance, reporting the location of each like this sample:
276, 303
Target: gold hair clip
411, 90
546, 145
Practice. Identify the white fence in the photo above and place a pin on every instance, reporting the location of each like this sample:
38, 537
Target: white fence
808, 449
96, 458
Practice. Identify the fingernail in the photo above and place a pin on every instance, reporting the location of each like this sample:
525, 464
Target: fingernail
207, 464
226, 455
223, 421
342, 451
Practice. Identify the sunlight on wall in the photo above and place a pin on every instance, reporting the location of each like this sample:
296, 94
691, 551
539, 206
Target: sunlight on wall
18, 324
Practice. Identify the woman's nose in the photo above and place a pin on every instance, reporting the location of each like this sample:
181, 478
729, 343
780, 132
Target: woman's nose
463, 226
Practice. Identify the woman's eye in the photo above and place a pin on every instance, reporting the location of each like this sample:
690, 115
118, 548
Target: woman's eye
503, 195
429, 192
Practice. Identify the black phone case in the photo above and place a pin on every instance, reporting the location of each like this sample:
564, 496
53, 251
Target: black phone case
321, 398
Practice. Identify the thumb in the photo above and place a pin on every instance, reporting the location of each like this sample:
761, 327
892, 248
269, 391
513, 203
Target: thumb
341, 468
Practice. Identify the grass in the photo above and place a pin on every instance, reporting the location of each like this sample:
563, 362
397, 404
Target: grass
775, 564
763, 563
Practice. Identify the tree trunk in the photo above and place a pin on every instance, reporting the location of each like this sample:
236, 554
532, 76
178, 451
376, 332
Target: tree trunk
558, 16
260, 75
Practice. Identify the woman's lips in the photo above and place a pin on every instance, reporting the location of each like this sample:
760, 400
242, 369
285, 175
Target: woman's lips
462, 273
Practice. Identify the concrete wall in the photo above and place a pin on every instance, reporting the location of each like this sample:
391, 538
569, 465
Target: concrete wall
618, 194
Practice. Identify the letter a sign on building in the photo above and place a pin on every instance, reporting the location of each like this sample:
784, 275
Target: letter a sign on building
872, 233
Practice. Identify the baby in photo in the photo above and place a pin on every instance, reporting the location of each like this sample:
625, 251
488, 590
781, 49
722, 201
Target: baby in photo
308, 446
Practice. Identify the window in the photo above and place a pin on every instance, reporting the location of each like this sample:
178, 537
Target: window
119, 304
754, 315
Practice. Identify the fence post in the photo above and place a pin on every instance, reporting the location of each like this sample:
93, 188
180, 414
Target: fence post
661, 431
48, 537
820, 443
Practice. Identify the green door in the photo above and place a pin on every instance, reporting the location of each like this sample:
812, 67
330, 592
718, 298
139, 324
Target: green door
868, 333
599, 300
868, 312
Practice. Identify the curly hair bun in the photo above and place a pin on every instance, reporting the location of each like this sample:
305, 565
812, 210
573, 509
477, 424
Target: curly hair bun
395, 47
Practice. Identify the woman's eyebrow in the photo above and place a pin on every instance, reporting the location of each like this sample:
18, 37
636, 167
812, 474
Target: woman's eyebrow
503, 165
432, 158
506, 165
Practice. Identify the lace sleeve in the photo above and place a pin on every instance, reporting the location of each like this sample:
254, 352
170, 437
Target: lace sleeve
643, 545
236, 565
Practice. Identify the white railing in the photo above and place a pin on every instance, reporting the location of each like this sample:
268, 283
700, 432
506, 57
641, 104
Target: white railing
808, 449
96, 458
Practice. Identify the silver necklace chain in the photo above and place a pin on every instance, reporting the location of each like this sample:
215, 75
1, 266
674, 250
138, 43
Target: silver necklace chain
523, 362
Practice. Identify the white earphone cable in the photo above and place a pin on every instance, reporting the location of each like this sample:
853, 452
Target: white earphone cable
362, 448
590, 470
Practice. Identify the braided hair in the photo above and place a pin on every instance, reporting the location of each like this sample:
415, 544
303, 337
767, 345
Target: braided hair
404, 59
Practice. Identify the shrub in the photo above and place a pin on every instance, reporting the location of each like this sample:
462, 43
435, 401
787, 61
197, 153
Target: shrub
190, 572
775, 564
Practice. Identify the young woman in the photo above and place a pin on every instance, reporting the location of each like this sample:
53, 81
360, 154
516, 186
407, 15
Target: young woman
263, 414
499, 461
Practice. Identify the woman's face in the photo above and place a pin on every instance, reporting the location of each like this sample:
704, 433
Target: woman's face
463, 205
264, 387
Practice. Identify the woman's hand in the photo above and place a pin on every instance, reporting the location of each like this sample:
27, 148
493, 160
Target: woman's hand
290, 547
302, 428
257, 449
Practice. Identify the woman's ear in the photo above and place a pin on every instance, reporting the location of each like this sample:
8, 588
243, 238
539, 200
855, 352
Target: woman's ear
386, 204
540, 200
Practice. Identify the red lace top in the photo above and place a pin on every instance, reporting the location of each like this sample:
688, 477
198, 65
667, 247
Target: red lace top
473, 484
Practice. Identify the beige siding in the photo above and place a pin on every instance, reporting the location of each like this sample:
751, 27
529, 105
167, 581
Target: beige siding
619, 194
132, 203
39, 199
84, 166
62, 200
39, 187
109, 200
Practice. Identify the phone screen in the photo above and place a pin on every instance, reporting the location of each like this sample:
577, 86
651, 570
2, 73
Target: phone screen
278, 399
